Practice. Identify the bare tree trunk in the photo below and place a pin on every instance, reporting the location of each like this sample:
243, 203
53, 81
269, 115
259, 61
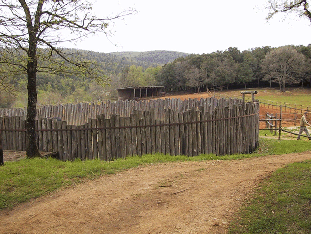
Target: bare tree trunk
284, 84
32, 147
1, 151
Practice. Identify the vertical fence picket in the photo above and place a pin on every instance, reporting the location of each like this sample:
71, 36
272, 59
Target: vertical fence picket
49, 140
73, 143
181, 136
117, 145
60, 140
94, 145
108, 139
128, 137
64, 137
143, 131
54, 135
176, 135
83, 137
167, 131
139, 133
148, 132
133, 121
101, 138
153, 135
39, 134
122, 138
88, 140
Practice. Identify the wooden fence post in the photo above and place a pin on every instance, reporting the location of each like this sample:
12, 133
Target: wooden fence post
1, 152
280, 124
275, 124
1, 149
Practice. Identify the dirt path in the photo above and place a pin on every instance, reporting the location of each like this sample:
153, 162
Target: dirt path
187, 197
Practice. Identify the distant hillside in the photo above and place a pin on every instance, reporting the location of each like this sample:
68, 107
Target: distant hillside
116, 62
71, 88
150, 58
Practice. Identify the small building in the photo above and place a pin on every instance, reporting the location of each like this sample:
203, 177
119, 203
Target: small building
130, 93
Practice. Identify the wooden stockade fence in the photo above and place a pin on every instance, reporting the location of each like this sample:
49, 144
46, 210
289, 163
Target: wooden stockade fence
171, 126
79, 114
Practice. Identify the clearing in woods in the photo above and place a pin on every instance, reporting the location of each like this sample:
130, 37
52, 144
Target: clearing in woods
182, 197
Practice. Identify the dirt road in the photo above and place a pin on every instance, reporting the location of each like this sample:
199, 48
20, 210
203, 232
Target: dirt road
187, 197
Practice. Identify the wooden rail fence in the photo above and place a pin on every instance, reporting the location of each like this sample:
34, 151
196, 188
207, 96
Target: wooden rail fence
169, 127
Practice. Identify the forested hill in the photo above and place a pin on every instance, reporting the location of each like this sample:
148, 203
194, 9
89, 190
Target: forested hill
116, 62
120, 69
150, 58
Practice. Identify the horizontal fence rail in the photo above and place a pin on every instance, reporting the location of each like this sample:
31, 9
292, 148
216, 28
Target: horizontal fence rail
170, 127
282, 115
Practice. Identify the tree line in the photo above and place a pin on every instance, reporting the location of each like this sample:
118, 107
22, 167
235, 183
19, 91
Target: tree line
232, 68
283, 66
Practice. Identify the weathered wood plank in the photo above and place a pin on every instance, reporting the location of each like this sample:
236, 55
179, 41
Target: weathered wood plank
134, 123
101, 138
108, 139
122, 138
49, 135
94, 142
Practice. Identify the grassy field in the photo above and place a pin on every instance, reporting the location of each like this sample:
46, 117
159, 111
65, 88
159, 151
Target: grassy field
292, 97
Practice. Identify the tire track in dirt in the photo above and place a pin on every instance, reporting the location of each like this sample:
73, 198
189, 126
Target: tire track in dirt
183, 197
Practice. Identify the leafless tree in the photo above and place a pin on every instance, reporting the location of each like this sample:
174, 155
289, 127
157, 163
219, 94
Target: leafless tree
31, 30
301, 7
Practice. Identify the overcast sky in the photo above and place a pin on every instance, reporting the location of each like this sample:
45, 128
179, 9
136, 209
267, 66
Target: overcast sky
196, 26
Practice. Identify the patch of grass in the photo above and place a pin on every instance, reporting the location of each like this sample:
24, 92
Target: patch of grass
31, 178
282, 204
269, 146
286, 146
290, 97
268, 133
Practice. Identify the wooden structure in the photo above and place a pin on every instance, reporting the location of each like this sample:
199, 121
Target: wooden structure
170, 126
249, 92
1, 149
130, 93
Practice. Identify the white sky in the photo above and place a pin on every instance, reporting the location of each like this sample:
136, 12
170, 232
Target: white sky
196, 26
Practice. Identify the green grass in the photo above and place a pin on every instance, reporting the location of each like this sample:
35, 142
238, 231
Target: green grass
31, 178
282, 204
303, 100
291, 97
